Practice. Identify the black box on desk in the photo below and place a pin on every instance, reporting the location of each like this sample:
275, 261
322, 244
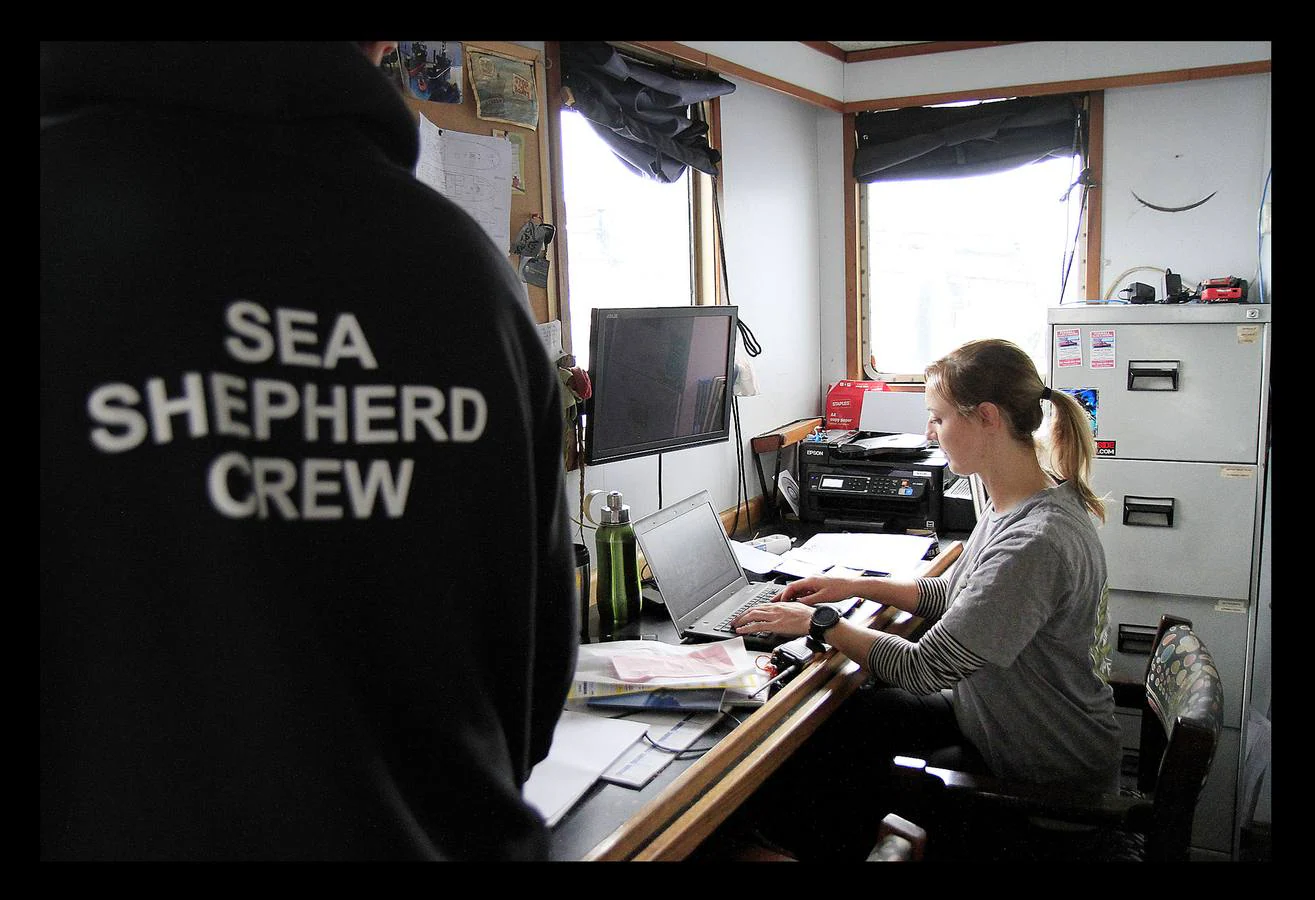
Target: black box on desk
892, 492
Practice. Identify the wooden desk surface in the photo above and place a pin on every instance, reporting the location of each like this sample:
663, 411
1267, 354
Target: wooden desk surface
684, 813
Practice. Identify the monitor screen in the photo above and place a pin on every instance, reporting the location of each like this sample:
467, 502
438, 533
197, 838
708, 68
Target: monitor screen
661, 379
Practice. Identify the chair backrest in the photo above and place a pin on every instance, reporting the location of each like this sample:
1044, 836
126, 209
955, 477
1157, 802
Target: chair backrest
1180, 730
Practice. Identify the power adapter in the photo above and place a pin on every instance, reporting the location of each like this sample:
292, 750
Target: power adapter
792, 653
1139, 293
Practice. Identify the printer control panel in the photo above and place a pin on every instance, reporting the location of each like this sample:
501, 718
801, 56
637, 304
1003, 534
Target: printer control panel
895, 486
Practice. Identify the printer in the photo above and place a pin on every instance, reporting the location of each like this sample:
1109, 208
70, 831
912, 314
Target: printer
856, 481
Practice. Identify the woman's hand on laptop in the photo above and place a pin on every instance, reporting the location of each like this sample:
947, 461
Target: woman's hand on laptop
818, 589
789, 619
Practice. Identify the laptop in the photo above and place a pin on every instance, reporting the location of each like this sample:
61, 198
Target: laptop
702, 583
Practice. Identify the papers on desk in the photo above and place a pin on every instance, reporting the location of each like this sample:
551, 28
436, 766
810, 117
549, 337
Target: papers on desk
620, 667
893, 554
828, 553
583, 747
671, 731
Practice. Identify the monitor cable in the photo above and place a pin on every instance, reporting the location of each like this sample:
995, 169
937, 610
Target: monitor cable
752, 348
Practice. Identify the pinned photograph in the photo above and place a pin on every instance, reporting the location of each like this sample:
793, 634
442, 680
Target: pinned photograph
504, 89
430, 70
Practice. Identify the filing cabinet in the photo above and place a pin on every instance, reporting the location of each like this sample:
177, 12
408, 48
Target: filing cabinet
1178, 396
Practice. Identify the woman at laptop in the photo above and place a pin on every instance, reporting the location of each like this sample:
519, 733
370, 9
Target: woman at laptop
1009, 677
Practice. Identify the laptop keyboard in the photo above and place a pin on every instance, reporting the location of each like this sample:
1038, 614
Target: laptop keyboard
768, 592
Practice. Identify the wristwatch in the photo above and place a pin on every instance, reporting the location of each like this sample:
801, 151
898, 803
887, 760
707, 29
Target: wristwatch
823, 618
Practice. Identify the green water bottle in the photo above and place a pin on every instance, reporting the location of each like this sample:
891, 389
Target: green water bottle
618, 598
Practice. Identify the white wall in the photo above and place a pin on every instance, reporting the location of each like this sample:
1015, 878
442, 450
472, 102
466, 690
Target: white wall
789, 61
771, 214
1036, 62
1158, 145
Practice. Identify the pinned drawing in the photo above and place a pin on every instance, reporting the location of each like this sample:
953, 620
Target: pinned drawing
472, 171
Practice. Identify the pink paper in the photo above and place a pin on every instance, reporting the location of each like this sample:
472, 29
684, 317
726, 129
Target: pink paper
714, 659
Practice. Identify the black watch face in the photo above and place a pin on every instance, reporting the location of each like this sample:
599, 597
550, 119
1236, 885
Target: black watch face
825, 617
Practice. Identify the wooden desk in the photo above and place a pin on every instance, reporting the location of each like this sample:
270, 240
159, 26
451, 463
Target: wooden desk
684, 813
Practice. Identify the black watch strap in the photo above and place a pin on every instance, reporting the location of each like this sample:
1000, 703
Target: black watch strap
824, 617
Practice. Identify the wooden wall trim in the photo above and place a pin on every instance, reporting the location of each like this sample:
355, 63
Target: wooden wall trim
690, 56
1095, 197
904, 50
853, 303
1039, 89
828, 48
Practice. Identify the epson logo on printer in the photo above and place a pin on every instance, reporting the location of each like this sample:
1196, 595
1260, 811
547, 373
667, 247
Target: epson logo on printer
814, 451
1105, 448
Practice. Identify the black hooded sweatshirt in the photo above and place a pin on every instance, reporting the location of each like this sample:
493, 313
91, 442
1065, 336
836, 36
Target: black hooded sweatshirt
306, 585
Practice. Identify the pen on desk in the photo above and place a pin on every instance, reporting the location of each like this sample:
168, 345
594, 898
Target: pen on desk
788, 670
874, 573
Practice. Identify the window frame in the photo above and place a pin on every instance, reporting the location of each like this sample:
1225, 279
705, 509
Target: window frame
856, 274
706, 268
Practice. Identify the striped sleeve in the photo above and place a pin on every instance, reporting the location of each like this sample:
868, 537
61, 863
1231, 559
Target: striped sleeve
933, 598
934, 662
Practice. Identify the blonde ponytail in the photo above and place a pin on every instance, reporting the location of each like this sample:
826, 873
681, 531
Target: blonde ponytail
1072, 448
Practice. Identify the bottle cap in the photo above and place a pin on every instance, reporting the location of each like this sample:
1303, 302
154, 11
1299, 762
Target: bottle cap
615, 513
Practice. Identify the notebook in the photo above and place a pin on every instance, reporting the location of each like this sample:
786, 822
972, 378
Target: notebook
701, 581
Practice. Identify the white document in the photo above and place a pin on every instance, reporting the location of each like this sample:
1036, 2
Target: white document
474, 172
551, 335
894, 554
674, 731
803, 562
583, 746
894, 411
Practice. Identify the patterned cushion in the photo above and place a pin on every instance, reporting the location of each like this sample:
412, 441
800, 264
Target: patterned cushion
1183, 681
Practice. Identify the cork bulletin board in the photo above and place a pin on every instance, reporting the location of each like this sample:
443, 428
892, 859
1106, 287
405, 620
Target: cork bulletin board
451, 100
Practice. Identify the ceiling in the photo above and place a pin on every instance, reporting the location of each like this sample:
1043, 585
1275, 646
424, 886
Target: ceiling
871, 45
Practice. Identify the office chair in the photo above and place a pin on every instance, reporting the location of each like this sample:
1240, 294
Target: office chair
983, 818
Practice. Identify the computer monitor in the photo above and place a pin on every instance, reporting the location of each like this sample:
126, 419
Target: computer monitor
662, 379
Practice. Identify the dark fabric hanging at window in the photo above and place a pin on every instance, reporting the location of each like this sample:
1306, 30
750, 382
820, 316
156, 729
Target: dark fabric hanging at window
643, 110
954, 141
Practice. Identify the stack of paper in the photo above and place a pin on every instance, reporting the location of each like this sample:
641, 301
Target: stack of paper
583, 746
657, 671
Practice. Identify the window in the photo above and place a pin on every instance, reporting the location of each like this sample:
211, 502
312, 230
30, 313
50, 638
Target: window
632, 240
949, 259
630, 237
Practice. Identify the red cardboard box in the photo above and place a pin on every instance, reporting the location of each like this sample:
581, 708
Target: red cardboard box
844, 403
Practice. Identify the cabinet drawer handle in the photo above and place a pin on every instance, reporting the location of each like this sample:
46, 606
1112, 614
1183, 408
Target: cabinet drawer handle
1136, 639
1154, 512
1150, 375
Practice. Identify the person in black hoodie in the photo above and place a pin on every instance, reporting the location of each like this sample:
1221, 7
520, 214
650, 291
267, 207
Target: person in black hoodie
306, 583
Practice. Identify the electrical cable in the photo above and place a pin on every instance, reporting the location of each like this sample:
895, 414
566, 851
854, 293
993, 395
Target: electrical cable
659, 456
752, 348
751, 345
1260, 239
1084, 179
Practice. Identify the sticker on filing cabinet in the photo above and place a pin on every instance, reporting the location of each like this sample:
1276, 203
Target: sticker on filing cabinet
1248, 334
1230, 606
1068, 347
1102, 349
1089, 400
1236, 472
1105, 448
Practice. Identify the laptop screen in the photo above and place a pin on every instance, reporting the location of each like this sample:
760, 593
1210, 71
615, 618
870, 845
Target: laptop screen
689, 555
